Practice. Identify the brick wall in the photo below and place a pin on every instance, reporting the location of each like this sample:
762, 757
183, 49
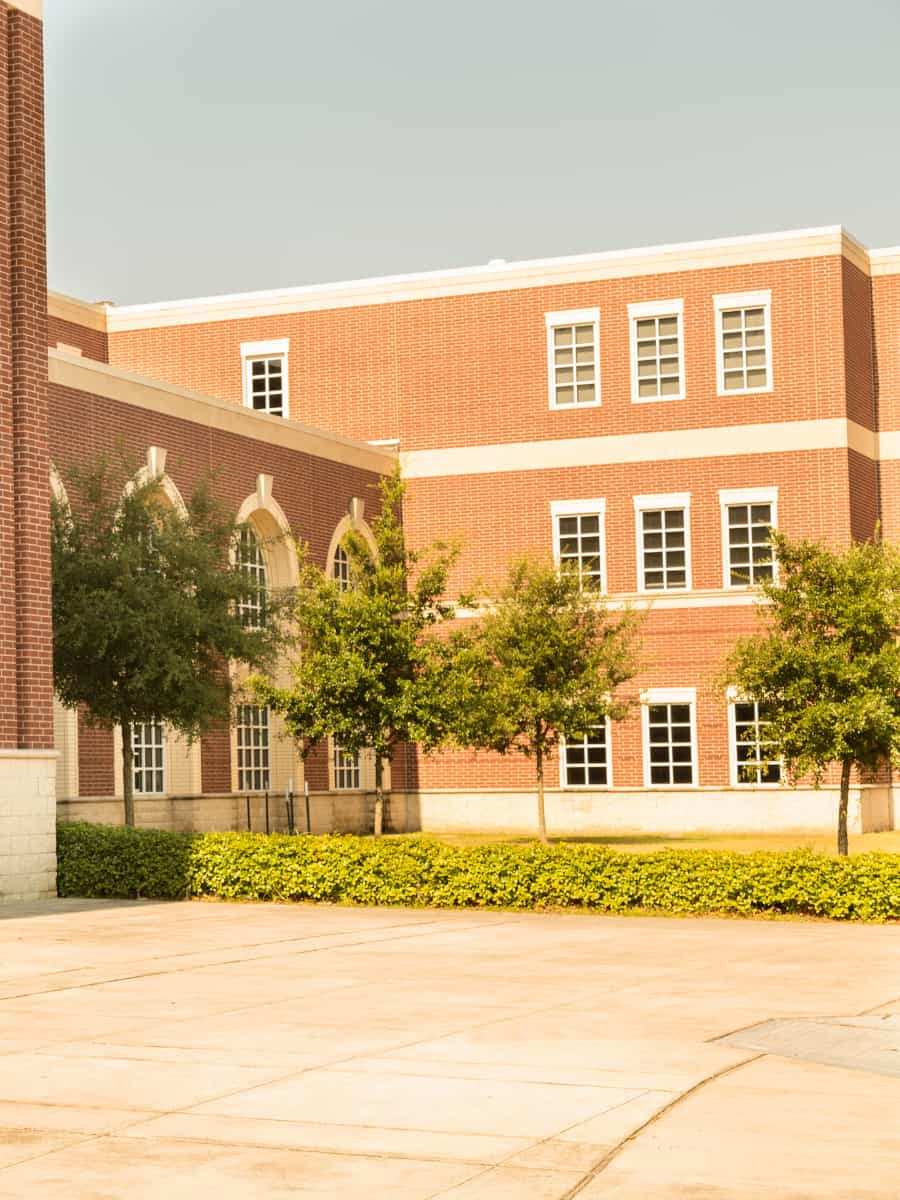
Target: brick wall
470, 370
92, 342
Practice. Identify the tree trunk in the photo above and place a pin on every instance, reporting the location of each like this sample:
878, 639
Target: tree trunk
379, 795
128, 772
843, 846
542, 817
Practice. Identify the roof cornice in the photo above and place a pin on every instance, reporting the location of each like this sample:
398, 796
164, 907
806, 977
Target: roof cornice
500, 276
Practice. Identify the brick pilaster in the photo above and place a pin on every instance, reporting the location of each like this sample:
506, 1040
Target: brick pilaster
28, 311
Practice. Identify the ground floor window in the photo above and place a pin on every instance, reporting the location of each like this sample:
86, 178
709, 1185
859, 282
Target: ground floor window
148, 744
585, 760
253, 748
669, 738
346, 769
754, 755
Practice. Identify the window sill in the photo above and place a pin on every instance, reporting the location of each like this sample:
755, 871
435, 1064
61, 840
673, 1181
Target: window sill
744, 392
574, 407
657, 399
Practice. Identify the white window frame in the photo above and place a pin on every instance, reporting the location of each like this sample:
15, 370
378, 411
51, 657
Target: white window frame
337, 568
252, 610
574, 316
581, 508
655, 308
164, 746
273, 348
651, 503
728, 496
586, 787
669, 696
337, 749
265, 748
725, 301
735, 698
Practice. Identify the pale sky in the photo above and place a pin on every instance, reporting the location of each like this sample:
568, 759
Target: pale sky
205, 146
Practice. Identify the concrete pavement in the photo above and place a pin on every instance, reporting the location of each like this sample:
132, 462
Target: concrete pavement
248, 1051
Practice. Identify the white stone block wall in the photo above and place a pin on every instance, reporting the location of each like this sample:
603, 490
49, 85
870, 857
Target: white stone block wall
668, 811
27, 824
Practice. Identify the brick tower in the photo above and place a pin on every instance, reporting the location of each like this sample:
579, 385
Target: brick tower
27, 757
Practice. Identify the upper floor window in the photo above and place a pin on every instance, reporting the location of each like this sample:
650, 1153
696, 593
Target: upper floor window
579, 539
743, 342
252, 605
584, 761
265, 376
253, 748
748, 517
148, 744
753, 757
346, 769
663, 542
657, 352
573, 357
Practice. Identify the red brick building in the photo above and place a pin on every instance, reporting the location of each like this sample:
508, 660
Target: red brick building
646, 415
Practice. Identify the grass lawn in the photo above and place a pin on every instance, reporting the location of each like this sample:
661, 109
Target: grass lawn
823, 843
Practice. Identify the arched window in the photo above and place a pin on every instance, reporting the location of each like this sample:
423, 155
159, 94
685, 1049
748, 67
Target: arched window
340, 568
252, 563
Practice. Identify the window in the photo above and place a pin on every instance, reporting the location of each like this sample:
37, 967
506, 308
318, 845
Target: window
579, 538
669, 737
747, 519
573, 357
584, 761
265, 376
148, 743
346, 769
743, 342
753, 756
657, 359
663, 542
252, 605
253, 748
340, 568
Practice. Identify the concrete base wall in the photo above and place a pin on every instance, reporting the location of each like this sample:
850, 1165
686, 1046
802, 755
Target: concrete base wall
330, 812
27, 824
762, 810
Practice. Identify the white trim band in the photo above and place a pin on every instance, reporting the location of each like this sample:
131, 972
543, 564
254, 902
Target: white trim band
775, 437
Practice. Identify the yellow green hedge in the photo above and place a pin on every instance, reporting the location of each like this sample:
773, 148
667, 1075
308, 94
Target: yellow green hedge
104, 860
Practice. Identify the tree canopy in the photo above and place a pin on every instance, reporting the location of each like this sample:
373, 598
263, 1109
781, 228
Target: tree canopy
364, 672
146, 601
825, 666
546, 662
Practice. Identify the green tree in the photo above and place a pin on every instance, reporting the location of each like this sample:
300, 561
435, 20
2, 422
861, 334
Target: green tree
545, 663
364, 673
147, 606
825, 667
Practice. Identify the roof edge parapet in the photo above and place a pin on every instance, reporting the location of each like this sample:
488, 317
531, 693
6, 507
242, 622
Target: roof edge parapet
496, 276
79, 312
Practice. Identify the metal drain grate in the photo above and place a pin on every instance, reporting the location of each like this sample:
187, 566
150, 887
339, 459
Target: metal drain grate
859, 1043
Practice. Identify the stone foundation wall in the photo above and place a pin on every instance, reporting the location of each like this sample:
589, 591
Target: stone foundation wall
27, 824
761, 810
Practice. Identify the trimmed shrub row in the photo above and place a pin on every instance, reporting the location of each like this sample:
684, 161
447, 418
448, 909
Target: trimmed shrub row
112, 861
